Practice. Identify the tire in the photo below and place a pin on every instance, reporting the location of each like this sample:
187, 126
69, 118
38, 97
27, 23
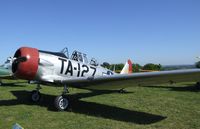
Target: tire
35, 96
61, 103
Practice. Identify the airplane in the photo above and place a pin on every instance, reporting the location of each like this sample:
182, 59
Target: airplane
6, 70
46, 67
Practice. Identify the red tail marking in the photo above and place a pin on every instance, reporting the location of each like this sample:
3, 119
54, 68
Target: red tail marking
130, 66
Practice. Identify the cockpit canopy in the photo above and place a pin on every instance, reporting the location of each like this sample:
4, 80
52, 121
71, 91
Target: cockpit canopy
79, 56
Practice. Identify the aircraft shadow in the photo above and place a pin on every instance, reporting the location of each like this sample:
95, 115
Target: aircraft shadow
13, 84
88, 108
190, 88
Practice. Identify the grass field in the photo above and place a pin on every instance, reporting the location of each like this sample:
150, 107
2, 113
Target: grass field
166, 106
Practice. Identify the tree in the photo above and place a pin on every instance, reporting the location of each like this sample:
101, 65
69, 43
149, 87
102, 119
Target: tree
136, 67
116, 67
151, 66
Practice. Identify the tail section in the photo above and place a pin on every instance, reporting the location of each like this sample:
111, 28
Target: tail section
127, 68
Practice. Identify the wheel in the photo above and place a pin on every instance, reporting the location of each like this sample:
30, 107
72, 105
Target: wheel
61, 103
35, 96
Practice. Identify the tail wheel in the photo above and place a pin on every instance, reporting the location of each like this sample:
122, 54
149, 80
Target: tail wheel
35, 96
61, 103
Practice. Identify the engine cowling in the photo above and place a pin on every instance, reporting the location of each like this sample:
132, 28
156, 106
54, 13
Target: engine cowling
26, 62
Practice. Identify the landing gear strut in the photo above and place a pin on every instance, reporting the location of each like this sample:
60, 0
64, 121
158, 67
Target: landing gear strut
61, 102
35, 95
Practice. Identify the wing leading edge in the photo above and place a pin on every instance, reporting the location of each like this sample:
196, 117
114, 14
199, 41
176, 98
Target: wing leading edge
135, 79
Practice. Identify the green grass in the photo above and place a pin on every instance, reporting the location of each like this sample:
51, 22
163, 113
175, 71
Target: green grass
164, 106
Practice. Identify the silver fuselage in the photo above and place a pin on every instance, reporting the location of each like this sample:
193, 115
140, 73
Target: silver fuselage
52, 67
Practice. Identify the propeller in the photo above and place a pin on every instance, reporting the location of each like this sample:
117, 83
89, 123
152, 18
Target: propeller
20, 59
16, 63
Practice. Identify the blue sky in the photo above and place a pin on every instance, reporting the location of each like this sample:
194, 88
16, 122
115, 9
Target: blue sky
157, 31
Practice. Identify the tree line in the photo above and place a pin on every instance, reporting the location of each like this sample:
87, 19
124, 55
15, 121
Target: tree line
138, 68
135, 67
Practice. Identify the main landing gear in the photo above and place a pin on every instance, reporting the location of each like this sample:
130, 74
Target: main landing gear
35, 95
61, 102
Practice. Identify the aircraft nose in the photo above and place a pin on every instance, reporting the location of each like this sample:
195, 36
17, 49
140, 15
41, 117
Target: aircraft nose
26, 63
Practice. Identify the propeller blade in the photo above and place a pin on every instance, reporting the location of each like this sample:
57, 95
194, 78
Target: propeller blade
20, 59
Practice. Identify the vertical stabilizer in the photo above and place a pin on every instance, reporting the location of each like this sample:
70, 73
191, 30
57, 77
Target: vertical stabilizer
127, 68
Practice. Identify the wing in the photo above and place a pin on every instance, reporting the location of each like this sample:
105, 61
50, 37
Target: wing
135, 79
